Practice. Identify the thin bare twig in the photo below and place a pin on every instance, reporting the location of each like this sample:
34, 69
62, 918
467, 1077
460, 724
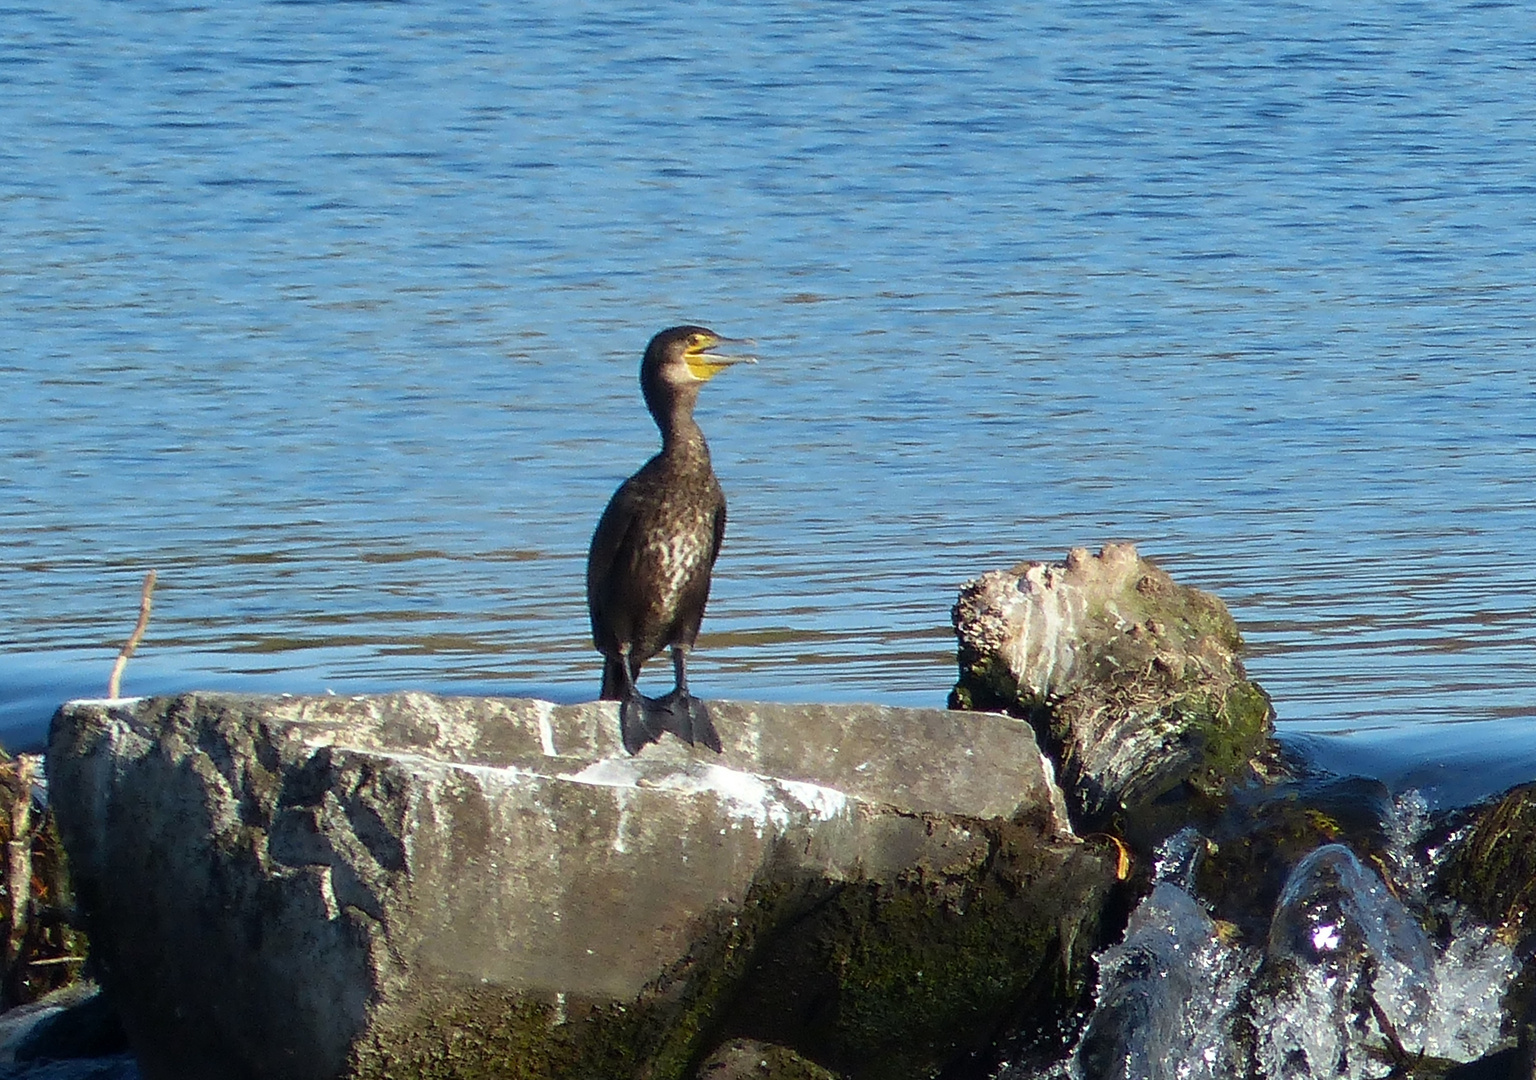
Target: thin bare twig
1123, 852
18, 869
114, 684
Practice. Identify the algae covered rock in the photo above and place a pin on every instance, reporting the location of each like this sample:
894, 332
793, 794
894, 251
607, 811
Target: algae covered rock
412, 885
1492, 870
897, 977
1266, 830
1134, 683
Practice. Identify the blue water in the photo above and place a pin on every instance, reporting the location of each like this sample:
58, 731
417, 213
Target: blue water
331, 313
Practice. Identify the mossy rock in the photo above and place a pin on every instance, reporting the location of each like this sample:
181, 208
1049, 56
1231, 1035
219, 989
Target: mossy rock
1134, 684
501, 1036
823, 979
409, 885
747, 1059
901, 979
1493, 870
471, 1033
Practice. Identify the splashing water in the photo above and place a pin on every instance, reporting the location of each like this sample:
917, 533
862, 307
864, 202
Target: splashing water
1347, 985
1343, 956
1166, 998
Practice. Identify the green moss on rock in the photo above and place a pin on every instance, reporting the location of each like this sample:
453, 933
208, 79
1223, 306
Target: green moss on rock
893, 980
496, 1035
470, 1033
1493, 871
748, 1059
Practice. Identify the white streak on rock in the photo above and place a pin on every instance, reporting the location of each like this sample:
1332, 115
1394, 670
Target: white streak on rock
546, 712
824, 803
326, 888
622, 826
761, 800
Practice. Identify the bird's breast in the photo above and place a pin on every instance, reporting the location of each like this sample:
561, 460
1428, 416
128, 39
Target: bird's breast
679, 553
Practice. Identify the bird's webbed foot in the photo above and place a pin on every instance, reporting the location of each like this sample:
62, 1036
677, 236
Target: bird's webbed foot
688, 718
638, 722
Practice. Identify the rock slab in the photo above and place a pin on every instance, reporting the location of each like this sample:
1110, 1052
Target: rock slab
321, 887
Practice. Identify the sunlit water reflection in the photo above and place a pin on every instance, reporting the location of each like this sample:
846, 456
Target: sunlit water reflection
332, 315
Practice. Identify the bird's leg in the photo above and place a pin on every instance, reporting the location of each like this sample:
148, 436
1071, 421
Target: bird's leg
635, 726
690, 718
680, 670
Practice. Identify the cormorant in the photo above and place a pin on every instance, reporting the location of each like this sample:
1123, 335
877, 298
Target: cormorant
655, 546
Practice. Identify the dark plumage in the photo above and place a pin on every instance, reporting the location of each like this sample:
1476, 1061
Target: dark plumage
655, 546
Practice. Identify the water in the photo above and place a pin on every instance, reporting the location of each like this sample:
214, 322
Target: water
1167, 997
1347, 986
331, 313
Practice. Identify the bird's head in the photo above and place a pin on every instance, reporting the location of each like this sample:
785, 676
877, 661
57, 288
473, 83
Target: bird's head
677, 363
685, 354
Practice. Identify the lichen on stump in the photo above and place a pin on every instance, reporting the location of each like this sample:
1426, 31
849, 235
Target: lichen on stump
1133, 682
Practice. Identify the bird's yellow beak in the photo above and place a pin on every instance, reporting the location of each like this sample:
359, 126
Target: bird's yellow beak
704, 364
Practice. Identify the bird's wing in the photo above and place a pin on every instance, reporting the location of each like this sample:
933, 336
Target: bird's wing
607, 541
714, 552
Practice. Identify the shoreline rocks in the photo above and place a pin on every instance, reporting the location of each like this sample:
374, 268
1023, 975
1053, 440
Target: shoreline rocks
416, 885
423, 886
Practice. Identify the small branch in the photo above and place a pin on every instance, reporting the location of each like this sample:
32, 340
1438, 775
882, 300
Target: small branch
115, 682
1401, 1058
1123, 854
18, 869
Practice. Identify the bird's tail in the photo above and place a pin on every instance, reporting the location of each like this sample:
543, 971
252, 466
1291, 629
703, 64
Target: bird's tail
614, 683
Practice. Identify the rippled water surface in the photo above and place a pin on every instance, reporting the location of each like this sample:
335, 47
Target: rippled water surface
331, 313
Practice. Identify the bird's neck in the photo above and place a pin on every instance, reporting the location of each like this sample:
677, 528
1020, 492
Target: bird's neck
680, 436
679, 433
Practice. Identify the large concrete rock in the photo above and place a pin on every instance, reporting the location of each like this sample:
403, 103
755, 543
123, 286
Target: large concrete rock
1134, 683
409, 885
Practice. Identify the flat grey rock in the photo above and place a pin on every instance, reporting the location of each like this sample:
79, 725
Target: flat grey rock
288, 883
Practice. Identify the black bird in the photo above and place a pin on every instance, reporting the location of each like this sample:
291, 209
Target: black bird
655, 546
